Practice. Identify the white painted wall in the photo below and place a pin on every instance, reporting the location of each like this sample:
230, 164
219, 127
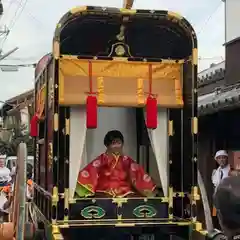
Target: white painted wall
232, 8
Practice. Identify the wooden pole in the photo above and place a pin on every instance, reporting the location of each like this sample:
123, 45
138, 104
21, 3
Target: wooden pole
128, 4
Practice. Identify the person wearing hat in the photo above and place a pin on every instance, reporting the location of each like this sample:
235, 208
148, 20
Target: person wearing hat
114, 174
226, 200
221, 172
224, 168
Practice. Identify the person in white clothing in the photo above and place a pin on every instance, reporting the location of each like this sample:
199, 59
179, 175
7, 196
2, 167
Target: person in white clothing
224, 168
222, 172
5, 184
5, 177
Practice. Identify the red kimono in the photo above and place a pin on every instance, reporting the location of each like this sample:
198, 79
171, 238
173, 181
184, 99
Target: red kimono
117, 176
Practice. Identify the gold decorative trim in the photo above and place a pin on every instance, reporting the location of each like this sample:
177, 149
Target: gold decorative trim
166, 61
195, 125
179, 194
55, 196
178, 91
119, 201
195, 194
125, 224
100, 90
66, 201
56, 50
195, 56
175, 15
198, 226
78, 10
67, 126
61, 85
127, 11
55, 229
120, 59
55, 123
170, 128
140, 92
50, 156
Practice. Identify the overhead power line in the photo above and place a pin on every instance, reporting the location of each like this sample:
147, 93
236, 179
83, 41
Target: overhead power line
17, 14
208, 19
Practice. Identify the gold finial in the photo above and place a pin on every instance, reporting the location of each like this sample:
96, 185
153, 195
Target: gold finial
120, 36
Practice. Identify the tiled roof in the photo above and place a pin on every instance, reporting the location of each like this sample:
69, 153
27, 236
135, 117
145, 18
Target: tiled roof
219, 100
212, 74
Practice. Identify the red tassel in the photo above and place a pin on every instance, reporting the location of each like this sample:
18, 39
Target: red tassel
91, 108
151, 113
34, 126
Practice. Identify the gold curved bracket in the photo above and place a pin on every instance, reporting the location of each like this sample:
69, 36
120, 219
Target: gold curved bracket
128, 4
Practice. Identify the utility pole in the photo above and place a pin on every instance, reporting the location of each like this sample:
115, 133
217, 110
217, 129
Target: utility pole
4, 31
1, 8
3, 56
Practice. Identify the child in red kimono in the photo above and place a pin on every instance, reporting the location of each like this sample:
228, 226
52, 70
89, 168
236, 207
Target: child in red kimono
113, 173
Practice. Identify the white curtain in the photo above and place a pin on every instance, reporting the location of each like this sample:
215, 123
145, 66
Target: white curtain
87, 144
159, 143
78, 156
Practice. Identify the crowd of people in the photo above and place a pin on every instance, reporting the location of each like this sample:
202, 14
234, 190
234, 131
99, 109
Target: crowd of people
7, 181
226, 181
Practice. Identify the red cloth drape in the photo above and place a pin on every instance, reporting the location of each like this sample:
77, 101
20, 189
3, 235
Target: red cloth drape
151, 105
91, 102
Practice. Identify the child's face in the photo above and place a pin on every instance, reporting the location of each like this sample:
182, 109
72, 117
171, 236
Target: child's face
116, 146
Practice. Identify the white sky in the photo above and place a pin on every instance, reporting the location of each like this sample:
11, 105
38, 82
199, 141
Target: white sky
34, 27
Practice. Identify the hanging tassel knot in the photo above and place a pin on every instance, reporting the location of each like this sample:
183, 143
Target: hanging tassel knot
91, 102
151, 105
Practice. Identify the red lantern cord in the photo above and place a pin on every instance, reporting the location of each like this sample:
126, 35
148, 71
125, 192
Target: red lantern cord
91, 102
150, 79
151, 104
90, 77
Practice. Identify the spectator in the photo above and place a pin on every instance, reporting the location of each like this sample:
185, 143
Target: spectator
220, 173
227, 203
5, 177
224, 168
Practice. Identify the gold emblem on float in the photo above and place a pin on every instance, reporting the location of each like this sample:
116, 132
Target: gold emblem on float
120, 50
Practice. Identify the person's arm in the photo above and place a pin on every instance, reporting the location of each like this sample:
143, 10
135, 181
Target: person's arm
88, 178
214, 178
140, 180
